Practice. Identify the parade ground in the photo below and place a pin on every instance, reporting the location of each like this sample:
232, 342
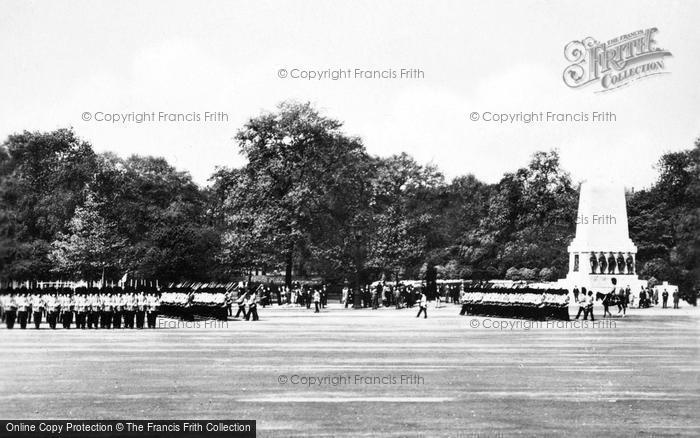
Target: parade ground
366, 372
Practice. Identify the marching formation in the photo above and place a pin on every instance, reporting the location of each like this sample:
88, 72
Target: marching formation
83, 308
516, 301
112, 307
210, 301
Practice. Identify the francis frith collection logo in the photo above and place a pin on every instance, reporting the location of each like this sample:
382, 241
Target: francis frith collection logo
615, 63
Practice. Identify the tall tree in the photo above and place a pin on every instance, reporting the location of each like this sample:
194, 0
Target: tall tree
404, 217
665, 222
42, 178
91, 246
300, 169
531, 219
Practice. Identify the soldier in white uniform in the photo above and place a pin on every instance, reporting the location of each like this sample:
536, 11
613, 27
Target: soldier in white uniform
92, 309
151, 310
22, 310
317, 300
80, 313
66, 311
252, 307
140, 310
38, 307
52, 310
118, 306
10, 309
129, 308
107, 311
241, 301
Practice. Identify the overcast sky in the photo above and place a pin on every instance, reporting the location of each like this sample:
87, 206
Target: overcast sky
60, 59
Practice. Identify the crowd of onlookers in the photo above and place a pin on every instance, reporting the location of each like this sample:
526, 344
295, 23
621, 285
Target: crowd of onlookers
374, 295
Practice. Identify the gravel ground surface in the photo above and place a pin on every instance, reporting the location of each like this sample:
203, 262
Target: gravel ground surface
366, 372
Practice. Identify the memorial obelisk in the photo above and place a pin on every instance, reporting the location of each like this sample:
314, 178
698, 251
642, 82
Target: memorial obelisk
602, 248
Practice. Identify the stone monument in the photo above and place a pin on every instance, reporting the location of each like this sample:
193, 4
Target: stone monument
602, 248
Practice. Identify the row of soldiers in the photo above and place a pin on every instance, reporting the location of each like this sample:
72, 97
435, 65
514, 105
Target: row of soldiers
515, 302
87, 309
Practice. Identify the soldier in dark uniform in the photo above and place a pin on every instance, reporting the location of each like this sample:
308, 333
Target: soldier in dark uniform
129, 310
664, 299
676, 299
602, 263
80, 306
611, 264
594, 263
642, 298
410, 297
267, 297
306, 297
324, 296
620, 263
576, 292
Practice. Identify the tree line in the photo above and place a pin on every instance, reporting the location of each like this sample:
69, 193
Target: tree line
310, 200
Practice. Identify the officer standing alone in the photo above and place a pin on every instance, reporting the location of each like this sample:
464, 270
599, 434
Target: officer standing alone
423, 304
317, 300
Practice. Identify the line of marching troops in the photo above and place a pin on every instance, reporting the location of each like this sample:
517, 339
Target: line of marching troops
517, 301
82, 309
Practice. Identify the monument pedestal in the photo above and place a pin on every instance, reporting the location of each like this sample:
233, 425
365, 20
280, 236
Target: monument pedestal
602, 239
